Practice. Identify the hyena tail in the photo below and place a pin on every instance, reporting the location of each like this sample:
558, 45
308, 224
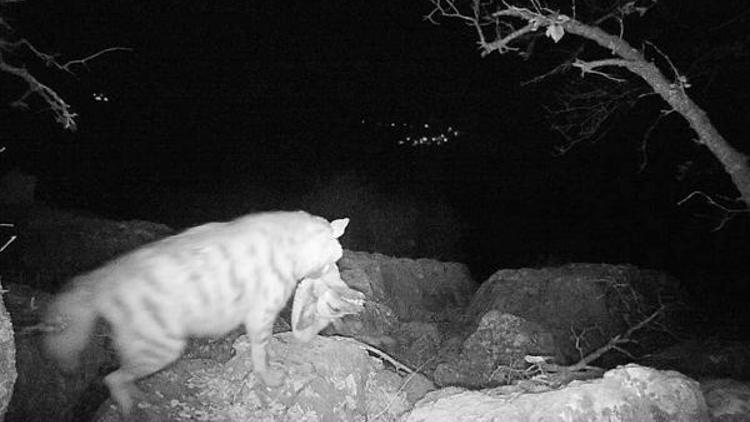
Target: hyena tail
71, 318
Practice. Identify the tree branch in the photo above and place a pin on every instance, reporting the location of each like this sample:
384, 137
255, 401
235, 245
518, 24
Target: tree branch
59, 107
589, 67
61, 110
671, 90
729, 213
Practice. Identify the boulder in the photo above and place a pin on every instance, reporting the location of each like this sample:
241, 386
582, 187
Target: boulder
329, 378
494, 351
7, 357
630, 393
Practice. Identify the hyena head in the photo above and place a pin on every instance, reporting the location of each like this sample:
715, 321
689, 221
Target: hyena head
318, 247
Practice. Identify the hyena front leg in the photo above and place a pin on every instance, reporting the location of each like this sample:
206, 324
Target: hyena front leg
260, 333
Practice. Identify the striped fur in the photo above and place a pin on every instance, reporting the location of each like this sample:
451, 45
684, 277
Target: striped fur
202, 282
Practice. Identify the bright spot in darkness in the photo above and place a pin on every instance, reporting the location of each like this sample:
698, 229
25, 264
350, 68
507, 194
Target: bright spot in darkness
419, 134
100, 96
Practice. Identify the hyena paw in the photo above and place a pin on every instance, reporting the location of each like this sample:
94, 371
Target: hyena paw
272, 377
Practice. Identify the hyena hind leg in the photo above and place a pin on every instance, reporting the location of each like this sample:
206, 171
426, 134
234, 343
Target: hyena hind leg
136, 364
122, 390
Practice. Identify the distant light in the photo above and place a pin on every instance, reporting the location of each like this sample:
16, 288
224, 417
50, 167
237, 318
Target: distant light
99, 96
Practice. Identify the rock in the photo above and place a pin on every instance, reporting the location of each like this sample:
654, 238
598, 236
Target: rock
498, 346
418, 344
411, 304
709, 356
629, 393
416, 289
56, 244
596, 301
329, 378
43, 392
728, 400
7, 357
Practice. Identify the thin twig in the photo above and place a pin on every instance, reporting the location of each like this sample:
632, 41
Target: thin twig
647, 136
8, 242
729, 213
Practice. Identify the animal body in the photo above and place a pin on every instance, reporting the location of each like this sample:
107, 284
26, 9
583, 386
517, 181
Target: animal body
202, 282
321, 301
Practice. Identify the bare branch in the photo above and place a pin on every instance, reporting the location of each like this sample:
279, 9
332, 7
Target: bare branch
86, 59
501, 45
515, 24
448, 9
61, 110
536, 20
583, 108
589, 67
620, 11
50, 60
679, 79
614, 343
736, 18
8, 242
555, 71
729, 213
647, 137
59, 107
4, 25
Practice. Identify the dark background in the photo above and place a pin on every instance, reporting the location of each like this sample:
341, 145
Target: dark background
265, 101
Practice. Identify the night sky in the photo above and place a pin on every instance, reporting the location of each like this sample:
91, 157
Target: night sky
240, 98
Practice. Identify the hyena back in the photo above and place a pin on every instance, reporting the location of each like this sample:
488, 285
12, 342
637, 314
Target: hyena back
202, 282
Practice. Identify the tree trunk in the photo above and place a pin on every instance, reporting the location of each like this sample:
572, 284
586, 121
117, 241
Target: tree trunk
735, 163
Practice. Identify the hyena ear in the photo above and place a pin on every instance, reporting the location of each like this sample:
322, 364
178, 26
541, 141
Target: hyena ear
338, 226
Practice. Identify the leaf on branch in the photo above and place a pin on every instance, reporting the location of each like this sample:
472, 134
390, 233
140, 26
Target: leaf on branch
555, 31
535, 23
